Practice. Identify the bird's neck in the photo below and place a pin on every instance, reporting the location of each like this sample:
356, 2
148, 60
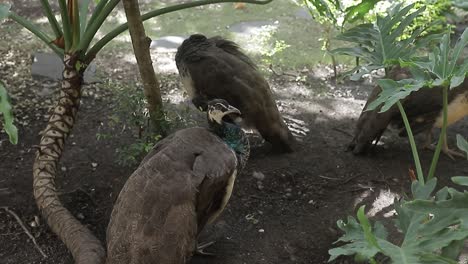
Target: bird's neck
236, 139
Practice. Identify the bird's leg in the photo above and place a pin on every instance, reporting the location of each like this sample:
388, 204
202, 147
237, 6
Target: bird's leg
445, 149
201, 249
450, 152
428, 143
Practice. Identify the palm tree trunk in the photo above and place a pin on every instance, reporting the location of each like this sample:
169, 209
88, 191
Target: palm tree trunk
85, 247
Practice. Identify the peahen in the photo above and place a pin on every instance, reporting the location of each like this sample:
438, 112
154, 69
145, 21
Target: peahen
424, 111
216, 68
183, 184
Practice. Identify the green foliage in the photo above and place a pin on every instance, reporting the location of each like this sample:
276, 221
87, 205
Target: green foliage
441, 65
360, 11
462, 144
279, 47
131, 117
4, 10
380, 44
130, 155
78, 36
462, 4
432, 229
324, 11
5, 109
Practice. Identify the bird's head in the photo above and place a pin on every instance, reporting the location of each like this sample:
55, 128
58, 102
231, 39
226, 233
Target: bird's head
220, 112
197, 38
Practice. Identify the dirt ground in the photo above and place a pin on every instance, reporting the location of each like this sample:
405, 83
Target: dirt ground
287, 216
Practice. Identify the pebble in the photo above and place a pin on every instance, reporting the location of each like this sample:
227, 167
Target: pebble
258, 175
261, 230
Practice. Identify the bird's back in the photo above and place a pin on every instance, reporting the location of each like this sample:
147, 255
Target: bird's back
155, 219
218, 69
423, 109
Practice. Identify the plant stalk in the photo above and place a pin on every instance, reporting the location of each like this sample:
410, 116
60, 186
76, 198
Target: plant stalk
66, 25
443, 132
114, 33
96, 12
95, 24
52, 20
36, 31
414, 150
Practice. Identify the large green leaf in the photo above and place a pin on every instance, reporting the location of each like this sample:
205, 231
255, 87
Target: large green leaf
358, 12
462, 143
4, 11
380, 44
394, 91
84, 5
5, 108
460, 180
432, 231
323, 9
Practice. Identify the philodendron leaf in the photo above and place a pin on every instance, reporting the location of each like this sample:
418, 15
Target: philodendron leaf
394, 91
423, 191
462, 144
357, 12
4, 10
5, 108
431, 228
460, 180
361, 215
458, 50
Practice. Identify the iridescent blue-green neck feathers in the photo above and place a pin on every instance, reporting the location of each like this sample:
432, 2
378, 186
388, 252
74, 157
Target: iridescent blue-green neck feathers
235, 138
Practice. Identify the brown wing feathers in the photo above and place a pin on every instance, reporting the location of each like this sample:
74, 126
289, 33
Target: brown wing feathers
218, 69
166, 201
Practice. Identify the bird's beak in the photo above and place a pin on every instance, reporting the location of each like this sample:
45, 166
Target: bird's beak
232, 110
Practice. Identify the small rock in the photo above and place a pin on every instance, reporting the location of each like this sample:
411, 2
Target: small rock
288, 190
258, 175
259, 185
80, 216
33, 224
261, 230
94, 164
63, 168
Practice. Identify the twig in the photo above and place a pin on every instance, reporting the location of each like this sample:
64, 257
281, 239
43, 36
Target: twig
342, 131
25, 229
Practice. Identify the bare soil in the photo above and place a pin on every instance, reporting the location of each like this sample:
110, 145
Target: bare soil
287, 217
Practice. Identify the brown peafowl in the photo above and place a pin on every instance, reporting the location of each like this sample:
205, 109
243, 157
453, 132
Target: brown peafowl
181, 185
216, 68
424, 111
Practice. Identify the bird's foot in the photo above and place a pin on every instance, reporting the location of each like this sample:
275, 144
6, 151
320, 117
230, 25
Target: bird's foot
451, 153
447, 151
201, 249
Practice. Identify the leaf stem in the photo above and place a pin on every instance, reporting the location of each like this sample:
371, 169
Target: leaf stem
95, 23
114, 33
66, 24
414, 150
36, 31
52, 20
442, 136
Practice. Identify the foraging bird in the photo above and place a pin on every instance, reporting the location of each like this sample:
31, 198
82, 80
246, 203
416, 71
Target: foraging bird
183, 184
423, 109
216, 68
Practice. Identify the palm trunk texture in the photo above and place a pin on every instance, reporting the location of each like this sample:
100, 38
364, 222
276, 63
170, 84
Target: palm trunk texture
84, 246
